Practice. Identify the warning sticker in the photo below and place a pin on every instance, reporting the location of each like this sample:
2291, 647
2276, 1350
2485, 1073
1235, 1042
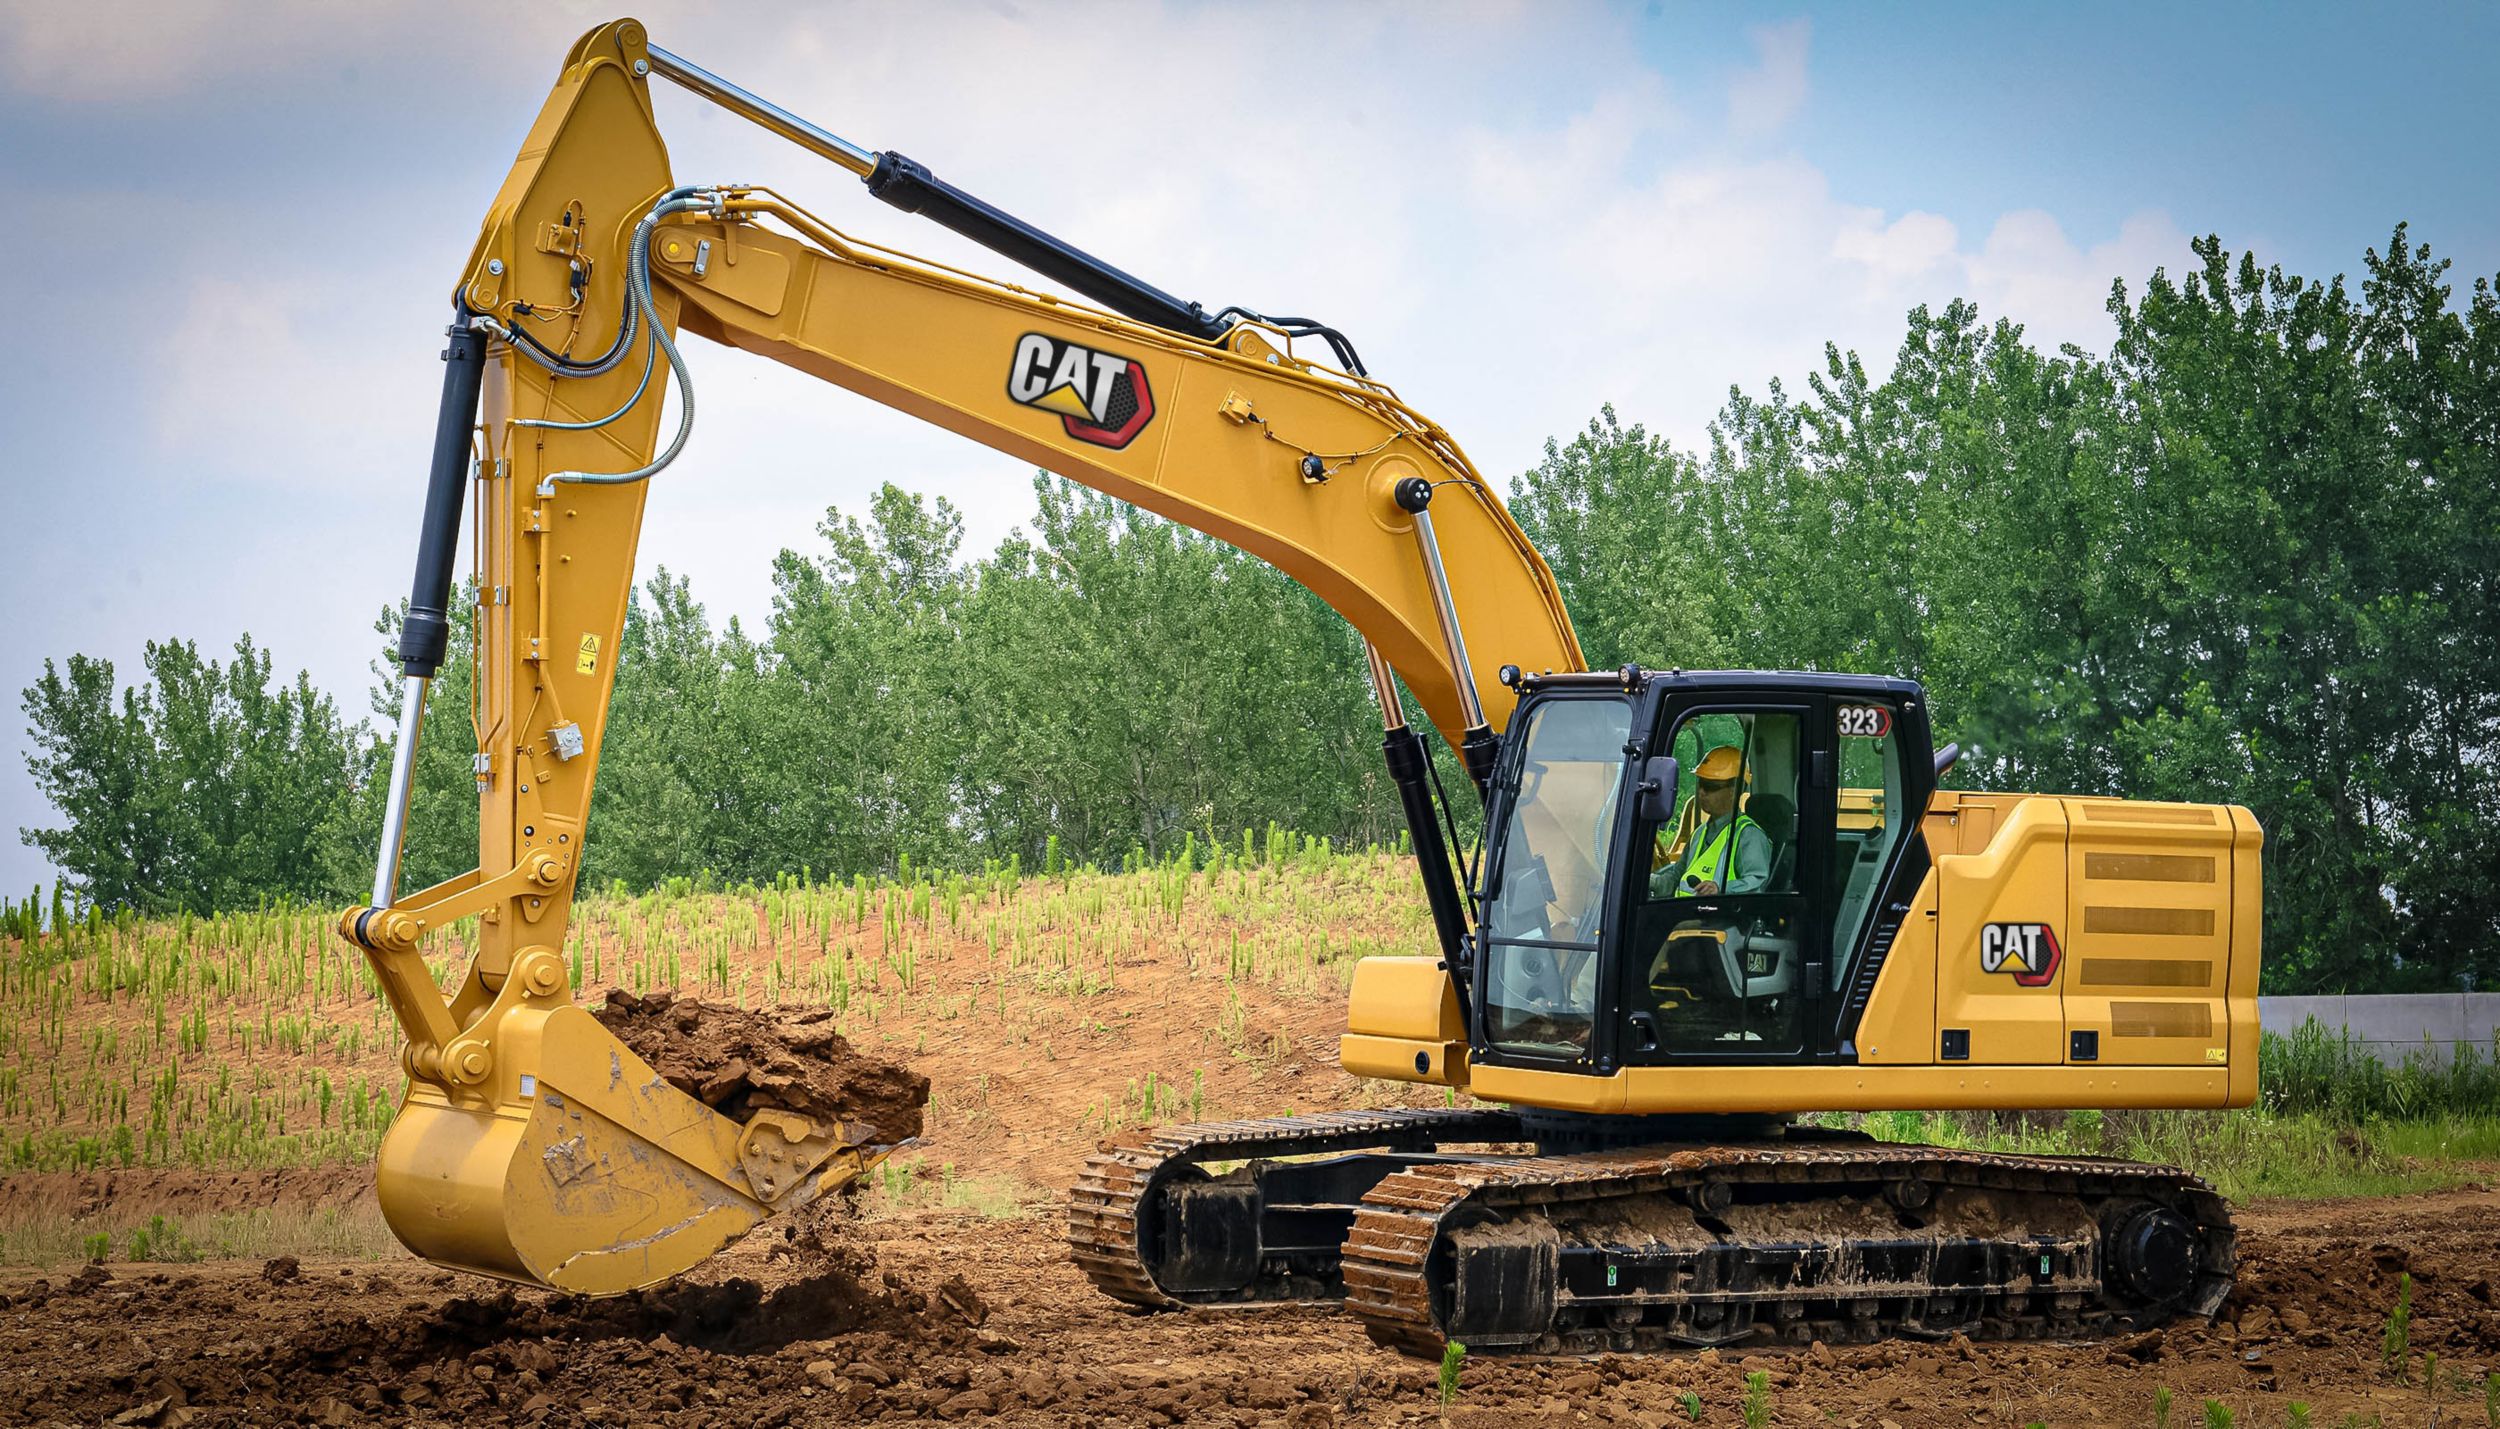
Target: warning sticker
588, 659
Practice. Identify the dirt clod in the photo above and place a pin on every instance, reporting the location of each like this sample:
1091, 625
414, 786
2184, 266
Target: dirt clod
283, 1270
958, 1296
739, 1061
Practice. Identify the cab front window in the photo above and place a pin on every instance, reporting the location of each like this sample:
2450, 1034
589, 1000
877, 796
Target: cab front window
1555, 847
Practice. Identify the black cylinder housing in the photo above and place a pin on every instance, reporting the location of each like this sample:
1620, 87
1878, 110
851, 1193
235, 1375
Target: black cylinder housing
910, 186
427, 630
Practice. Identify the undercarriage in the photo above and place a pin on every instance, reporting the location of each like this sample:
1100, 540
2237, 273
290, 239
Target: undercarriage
1508, 1232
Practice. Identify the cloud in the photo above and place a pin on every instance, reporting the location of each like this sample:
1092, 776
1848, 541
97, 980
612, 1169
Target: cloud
126, 52
261, 379
1514, 216
2030, 271
1764, 98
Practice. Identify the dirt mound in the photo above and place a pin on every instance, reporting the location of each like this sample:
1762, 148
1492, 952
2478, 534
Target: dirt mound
739, 1061
2301, 1290
312, 1348
730, 1317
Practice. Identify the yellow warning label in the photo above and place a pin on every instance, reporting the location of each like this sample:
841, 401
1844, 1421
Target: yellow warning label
2217, 1054
588, 660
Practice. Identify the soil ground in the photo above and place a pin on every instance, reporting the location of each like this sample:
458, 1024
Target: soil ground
945, 1315
1224, 1003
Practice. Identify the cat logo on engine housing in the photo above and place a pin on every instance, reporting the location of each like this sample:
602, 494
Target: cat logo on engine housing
1100, 397
2027, 950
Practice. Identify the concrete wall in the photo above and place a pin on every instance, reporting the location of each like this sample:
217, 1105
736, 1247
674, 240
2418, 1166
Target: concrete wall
2391, 1025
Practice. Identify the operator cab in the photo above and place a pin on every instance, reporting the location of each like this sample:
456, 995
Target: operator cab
1695, 867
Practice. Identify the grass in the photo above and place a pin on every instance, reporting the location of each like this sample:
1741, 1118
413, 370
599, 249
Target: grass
899, 1185
257, 1039
2246, 1154
2395, 1345
1453, 1357
55, 1237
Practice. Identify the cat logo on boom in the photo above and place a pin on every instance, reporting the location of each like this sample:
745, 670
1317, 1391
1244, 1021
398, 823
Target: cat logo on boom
1101, 397
2027, 950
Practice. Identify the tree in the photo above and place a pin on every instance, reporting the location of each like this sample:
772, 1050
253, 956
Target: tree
204, 787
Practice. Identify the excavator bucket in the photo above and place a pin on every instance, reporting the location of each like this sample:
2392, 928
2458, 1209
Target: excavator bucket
581, 1169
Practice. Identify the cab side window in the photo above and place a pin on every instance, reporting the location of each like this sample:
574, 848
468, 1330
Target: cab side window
1720, 930
1735, 826
1871, 822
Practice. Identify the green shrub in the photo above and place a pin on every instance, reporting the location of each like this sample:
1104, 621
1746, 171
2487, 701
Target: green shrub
1757, 1399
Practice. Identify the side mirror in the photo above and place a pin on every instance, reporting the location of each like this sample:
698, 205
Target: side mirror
1946, 758
1658, 780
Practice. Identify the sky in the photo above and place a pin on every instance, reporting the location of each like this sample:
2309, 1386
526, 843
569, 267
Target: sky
237, 220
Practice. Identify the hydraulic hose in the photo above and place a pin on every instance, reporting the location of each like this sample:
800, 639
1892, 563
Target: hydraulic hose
640, 307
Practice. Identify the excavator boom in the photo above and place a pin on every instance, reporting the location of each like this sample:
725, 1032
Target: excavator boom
533, 1145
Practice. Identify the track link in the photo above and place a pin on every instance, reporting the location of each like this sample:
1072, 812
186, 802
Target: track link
1787, 1241
1121, 1216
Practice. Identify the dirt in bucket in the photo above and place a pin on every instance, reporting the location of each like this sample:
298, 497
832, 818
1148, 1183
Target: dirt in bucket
740, 1060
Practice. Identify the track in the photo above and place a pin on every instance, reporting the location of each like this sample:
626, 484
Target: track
1138, 1201
1804, 1238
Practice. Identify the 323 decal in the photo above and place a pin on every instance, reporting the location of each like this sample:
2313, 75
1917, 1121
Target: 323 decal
1865, 721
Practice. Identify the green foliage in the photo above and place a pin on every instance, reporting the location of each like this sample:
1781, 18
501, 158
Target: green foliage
2250, 1153
2296, 1415
2217, 1414
98, 1245
1757, 1407
1453, 1356
2244, 556
205, 786
163, 1240
2395, 1345
2315, 1070
2162, 1398
2491, 1399
1691, 1400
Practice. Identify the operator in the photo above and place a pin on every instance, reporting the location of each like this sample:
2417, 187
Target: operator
1729, 853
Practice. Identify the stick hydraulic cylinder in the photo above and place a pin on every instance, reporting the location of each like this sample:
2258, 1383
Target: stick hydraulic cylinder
427, 630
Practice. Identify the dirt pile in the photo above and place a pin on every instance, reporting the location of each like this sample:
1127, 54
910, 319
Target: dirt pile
739, 1061
312, 1349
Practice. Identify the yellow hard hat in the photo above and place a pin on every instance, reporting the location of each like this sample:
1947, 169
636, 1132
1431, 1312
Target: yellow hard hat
1721, 764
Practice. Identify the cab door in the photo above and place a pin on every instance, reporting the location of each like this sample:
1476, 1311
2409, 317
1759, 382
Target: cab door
1725, 958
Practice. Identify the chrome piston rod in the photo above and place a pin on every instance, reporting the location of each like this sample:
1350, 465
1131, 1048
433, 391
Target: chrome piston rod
395, 800
747, 105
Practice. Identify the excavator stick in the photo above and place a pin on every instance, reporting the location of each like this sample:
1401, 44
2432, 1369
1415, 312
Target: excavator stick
533, 1145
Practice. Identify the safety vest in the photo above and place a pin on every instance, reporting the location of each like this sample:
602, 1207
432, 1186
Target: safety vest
1704, 867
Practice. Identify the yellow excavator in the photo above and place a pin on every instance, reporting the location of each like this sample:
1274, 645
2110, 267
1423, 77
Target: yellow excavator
1705, 904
